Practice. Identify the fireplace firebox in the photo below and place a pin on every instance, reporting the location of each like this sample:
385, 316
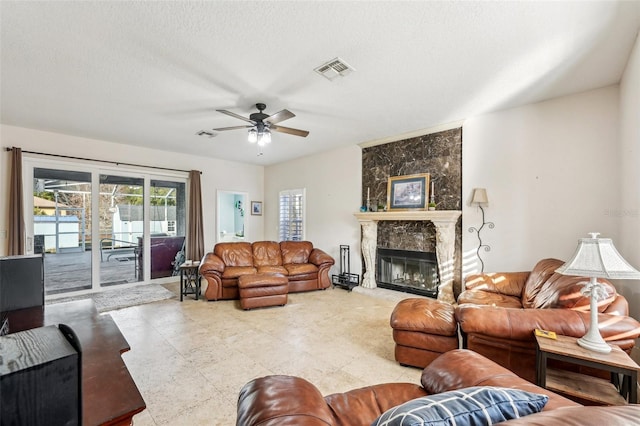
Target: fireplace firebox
413, 272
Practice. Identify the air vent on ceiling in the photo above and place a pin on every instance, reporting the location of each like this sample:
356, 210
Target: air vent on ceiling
334, 68
206, 133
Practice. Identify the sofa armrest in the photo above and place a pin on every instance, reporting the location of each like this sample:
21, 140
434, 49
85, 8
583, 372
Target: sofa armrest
211, 264
319, 257
518, 324
282, 401
508, 283
463, 368
619, 306
211, 268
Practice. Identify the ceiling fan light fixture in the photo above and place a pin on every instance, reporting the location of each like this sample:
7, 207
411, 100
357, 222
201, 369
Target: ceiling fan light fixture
253, 136
261, 124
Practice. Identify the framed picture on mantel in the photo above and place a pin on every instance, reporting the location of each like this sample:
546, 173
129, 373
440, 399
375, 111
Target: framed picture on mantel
408, 192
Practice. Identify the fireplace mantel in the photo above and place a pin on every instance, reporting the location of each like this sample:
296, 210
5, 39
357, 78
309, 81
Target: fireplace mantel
432, 216
445, 223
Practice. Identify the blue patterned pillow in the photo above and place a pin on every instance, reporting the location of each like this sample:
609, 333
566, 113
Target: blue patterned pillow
479, 405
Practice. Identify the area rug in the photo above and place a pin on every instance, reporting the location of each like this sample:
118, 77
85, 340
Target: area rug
122, 298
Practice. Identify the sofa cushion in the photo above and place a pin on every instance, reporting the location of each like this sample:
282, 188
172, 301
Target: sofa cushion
543, 270
474, 405
564, 291
234, 254
507, 283
295, 251
300, 269
272, 270
266, 253
238, 271
481, 297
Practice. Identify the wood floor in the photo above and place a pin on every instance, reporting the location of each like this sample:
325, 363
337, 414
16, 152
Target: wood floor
65, 272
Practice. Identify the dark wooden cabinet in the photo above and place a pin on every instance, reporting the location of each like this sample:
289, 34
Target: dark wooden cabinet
40, 378
109, 394
21, 282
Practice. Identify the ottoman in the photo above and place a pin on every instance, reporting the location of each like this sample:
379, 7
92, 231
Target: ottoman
257, 291
422, 330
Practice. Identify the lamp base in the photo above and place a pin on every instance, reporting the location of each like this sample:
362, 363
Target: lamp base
594, 345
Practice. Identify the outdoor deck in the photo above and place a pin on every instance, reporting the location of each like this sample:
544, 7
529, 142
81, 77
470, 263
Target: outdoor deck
65, 272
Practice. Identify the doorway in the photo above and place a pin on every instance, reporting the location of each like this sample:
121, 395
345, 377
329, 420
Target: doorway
232, 208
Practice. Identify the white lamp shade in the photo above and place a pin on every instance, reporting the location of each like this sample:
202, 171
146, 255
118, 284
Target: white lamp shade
479, 197
597, 257
253, 136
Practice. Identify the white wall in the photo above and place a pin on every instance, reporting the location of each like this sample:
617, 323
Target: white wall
216, 174
551, 173
333, 183
628, 242
550, 170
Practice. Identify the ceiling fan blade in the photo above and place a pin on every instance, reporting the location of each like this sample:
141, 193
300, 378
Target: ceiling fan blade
279, 116
289, 130
233, 114
221, 129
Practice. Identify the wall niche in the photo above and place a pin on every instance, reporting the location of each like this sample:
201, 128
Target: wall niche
440, 155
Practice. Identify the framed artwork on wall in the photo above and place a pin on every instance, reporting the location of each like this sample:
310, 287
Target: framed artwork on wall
256, 208
408, 192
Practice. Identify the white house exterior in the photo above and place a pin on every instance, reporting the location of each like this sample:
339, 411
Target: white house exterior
128, 222
68, 232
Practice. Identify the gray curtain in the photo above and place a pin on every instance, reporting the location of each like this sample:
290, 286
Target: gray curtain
195, 234
16, 210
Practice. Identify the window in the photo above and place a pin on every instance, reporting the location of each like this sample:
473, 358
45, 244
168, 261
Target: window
292, 215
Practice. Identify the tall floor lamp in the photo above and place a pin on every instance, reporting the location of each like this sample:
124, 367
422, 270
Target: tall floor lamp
479, 198
597, 258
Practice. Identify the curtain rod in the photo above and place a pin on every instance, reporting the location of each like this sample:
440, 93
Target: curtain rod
117, 163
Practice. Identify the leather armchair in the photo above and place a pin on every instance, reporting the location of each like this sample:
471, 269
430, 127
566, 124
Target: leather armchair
498, 312
288, 400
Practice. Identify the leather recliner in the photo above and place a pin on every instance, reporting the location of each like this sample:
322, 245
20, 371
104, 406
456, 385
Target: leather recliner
498, 312
289, 400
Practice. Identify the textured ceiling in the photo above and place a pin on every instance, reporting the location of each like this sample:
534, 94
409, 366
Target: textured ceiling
153, 73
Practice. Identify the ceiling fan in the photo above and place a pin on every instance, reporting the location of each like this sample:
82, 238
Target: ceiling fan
262, 124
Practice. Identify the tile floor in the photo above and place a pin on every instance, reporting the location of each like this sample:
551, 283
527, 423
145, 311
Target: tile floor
190, 359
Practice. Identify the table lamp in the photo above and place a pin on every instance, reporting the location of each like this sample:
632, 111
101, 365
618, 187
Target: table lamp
596, 258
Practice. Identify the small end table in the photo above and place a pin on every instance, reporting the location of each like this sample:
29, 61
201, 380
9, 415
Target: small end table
589, 388
189, 279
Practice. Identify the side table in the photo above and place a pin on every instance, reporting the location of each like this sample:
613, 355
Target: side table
189, 279
588, 388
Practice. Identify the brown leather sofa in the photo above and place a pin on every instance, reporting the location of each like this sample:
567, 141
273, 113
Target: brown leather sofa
287, 400
498, 312
306, 267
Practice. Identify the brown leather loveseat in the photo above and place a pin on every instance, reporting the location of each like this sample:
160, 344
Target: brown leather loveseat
306, 267
288, 400
498, 312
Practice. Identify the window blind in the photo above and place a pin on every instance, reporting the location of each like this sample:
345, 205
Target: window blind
291, 215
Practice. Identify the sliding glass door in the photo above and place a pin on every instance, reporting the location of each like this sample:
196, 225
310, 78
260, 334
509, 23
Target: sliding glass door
62, 227
101, 228
121, 210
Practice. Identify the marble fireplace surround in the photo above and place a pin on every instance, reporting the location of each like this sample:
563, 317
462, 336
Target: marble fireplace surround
445, 223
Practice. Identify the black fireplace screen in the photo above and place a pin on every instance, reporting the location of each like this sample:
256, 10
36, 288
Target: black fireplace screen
409, 271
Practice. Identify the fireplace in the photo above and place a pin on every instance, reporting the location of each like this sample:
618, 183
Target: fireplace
409, 271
